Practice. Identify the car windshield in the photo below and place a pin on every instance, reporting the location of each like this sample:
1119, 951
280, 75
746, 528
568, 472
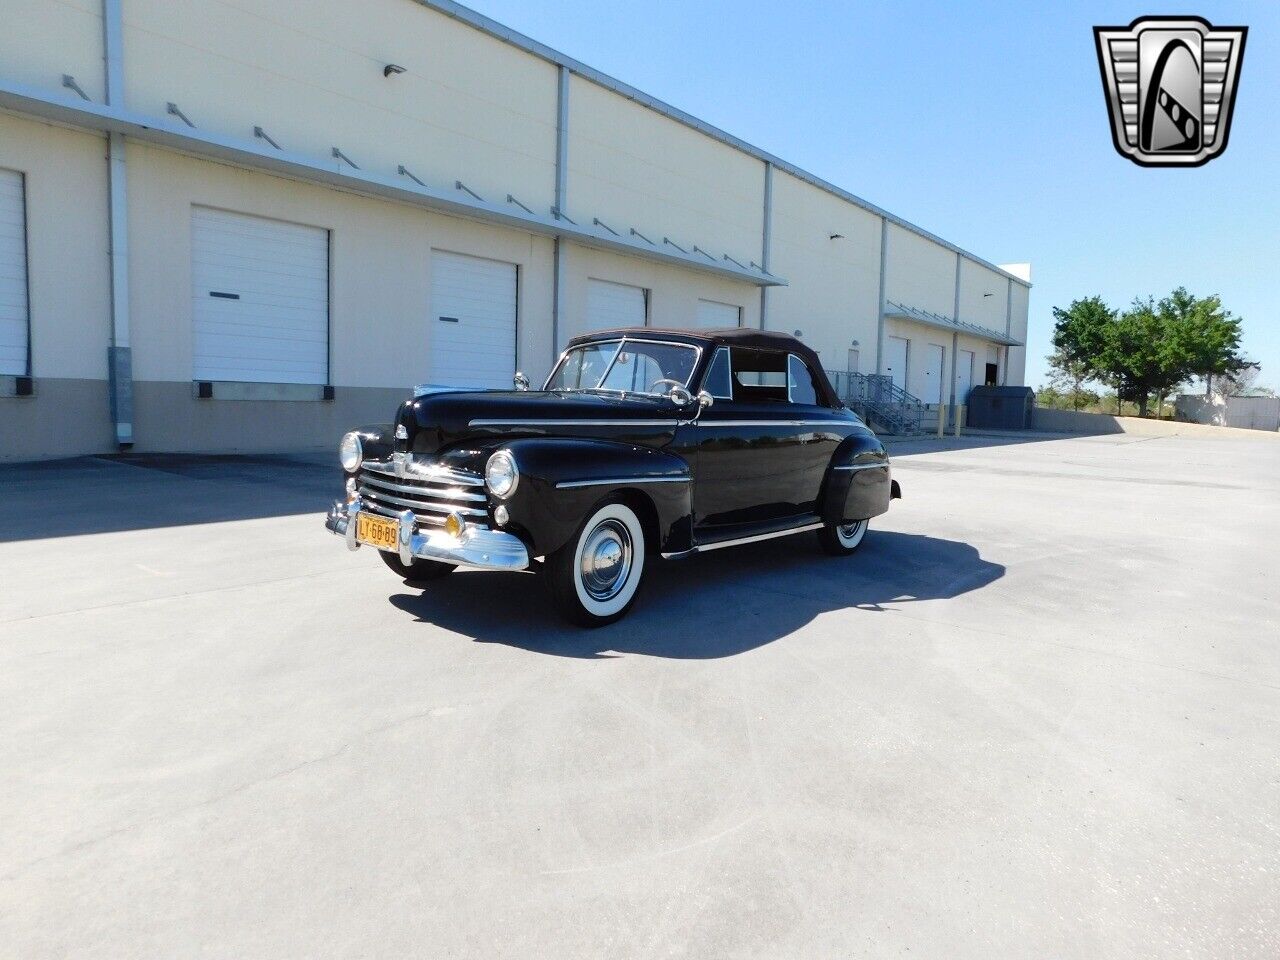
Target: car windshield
627, 366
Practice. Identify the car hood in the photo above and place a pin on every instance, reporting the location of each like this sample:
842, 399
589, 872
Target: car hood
442, 421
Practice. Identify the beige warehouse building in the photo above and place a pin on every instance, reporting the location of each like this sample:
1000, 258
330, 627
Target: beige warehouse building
228, 225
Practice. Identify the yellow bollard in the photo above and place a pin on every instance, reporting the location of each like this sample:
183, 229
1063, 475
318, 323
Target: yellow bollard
959, 416
942, 419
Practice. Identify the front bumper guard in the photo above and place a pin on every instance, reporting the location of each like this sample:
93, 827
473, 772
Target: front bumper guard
474, 547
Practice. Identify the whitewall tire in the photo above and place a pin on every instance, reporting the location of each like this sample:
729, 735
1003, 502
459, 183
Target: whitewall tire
842, 539
594, 577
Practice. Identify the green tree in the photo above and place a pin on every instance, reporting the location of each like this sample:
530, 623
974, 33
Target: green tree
1148, 350
1208, 335
1079, 335
1143, 355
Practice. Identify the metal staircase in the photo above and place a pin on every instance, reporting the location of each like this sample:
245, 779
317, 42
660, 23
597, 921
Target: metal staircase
879, 401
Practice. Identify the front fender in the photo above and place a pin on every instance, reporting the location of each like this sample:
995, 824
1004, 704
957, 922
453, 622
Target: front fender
377, 440
858, 485
561, 479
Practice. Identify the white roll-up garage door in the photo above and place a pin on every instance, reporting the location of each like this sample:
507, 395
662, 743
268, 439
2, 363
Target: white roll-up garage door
896, 355
260, 299
13, 275
611, 305
472, 339
713, 315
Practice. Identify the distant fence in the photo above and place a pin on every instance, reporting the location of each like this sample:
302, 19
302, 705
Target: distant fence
1250, 413
1073, 421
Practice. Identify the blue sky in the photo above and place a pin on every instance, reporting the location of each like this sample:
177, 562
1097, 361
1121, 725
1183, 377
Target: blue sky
983, 122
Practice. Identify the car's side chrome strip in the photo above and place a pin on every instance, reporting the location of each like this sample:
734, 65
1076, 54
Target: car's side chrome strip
774, 423
574, 423
704, 547
863, 466
570, 484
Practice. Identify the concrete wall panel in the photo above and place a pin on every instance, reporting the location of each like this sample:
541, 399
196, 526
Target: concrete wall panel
834, 291
311, 74
40, 40
983, 295
67, 263
919, 273
673, 292
632, 167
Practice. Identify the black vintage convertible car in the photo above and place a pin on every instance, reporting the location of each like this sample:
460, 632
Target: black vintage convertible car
643, 443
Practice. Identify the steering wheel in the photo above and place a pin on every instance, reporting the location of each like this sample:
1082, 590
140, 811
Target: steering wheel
666, 380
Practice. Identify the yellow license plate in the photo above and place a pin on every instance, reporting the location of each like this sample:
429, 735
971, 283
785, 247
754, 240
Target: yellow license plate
377, 531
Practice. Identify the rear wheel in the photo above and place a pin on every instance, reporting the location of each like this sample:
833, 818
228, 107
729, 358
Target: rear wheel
842, 539
420, 571
594, 577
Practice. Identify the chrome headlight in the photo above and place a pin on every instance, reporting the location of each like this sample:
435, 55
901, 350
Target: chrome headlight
501, 474
351, 452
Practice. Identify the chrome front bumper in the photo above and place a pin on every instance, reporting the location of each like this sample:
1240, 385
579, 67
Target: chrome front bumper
474, 547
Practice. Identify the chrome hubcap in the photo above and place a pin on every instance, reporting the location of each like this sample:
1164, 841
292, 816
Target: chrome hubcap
606, 560
848, 531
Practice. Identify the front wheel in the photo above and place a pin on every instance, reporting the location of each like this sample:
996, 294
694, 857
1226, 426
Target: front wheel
842, 539
594, 577
419, 571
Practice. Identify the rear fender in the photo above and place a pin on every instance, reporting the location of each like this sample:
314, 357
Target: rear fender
561, 479
858, 485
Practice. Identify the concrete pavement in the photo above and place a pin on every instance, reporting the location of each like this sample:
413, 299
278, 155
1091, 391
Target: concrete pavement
1036, 716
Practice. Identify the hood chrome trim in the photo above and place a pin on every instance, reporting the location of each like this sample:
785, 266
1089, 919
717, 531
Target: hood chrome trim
574, 423
607, 481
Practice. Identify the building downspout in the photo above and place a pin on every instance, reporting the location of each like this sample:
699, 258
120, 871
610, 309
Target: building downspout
119, 352
884, 242
765, 230
562, 174
955, 346
1008, 327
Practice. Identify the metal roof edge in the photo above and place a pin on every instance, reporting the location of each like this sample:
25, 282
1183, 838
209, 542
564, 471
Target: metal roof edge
903, 312
87, 114
500, 31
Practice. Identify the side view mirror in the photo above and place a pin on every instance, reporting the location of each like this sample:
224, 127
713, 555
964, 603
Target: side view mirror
705, 399
680, 396
521, 381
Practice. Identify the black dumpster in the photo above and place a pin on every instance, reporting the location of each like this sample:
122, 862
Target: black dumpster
1000, 408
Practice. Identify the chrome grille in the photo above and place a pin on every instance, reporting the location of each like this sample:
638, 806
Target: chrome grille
431, 492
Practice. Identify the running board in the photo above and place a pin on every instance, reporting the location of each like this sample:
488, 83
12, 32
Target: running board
739, 541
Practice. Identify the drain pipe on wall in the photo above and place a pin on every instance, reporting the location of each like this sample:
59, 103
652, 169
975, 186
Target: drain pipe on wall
119, 353
955, 344
562, 174
766, 229
884, 241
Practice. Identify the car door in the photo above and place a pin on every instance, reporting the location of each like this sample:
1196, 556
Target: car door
759, 453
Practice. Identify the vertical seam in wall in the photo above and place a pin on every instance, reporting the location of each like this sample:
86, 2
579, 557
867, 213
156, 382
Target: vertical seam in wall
955, 338
561, 189
26, 265
328, 306
1008, 325
766, 228
884, 242
118, 355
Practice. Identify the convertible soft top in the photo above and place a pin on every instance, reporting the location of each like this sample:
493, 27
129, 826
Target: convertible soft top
745, 337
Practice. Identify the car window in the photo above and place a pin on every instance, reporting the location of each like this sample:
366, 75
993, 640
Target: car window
583, 367
800, 385
719, 379
642, 364
759, 374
